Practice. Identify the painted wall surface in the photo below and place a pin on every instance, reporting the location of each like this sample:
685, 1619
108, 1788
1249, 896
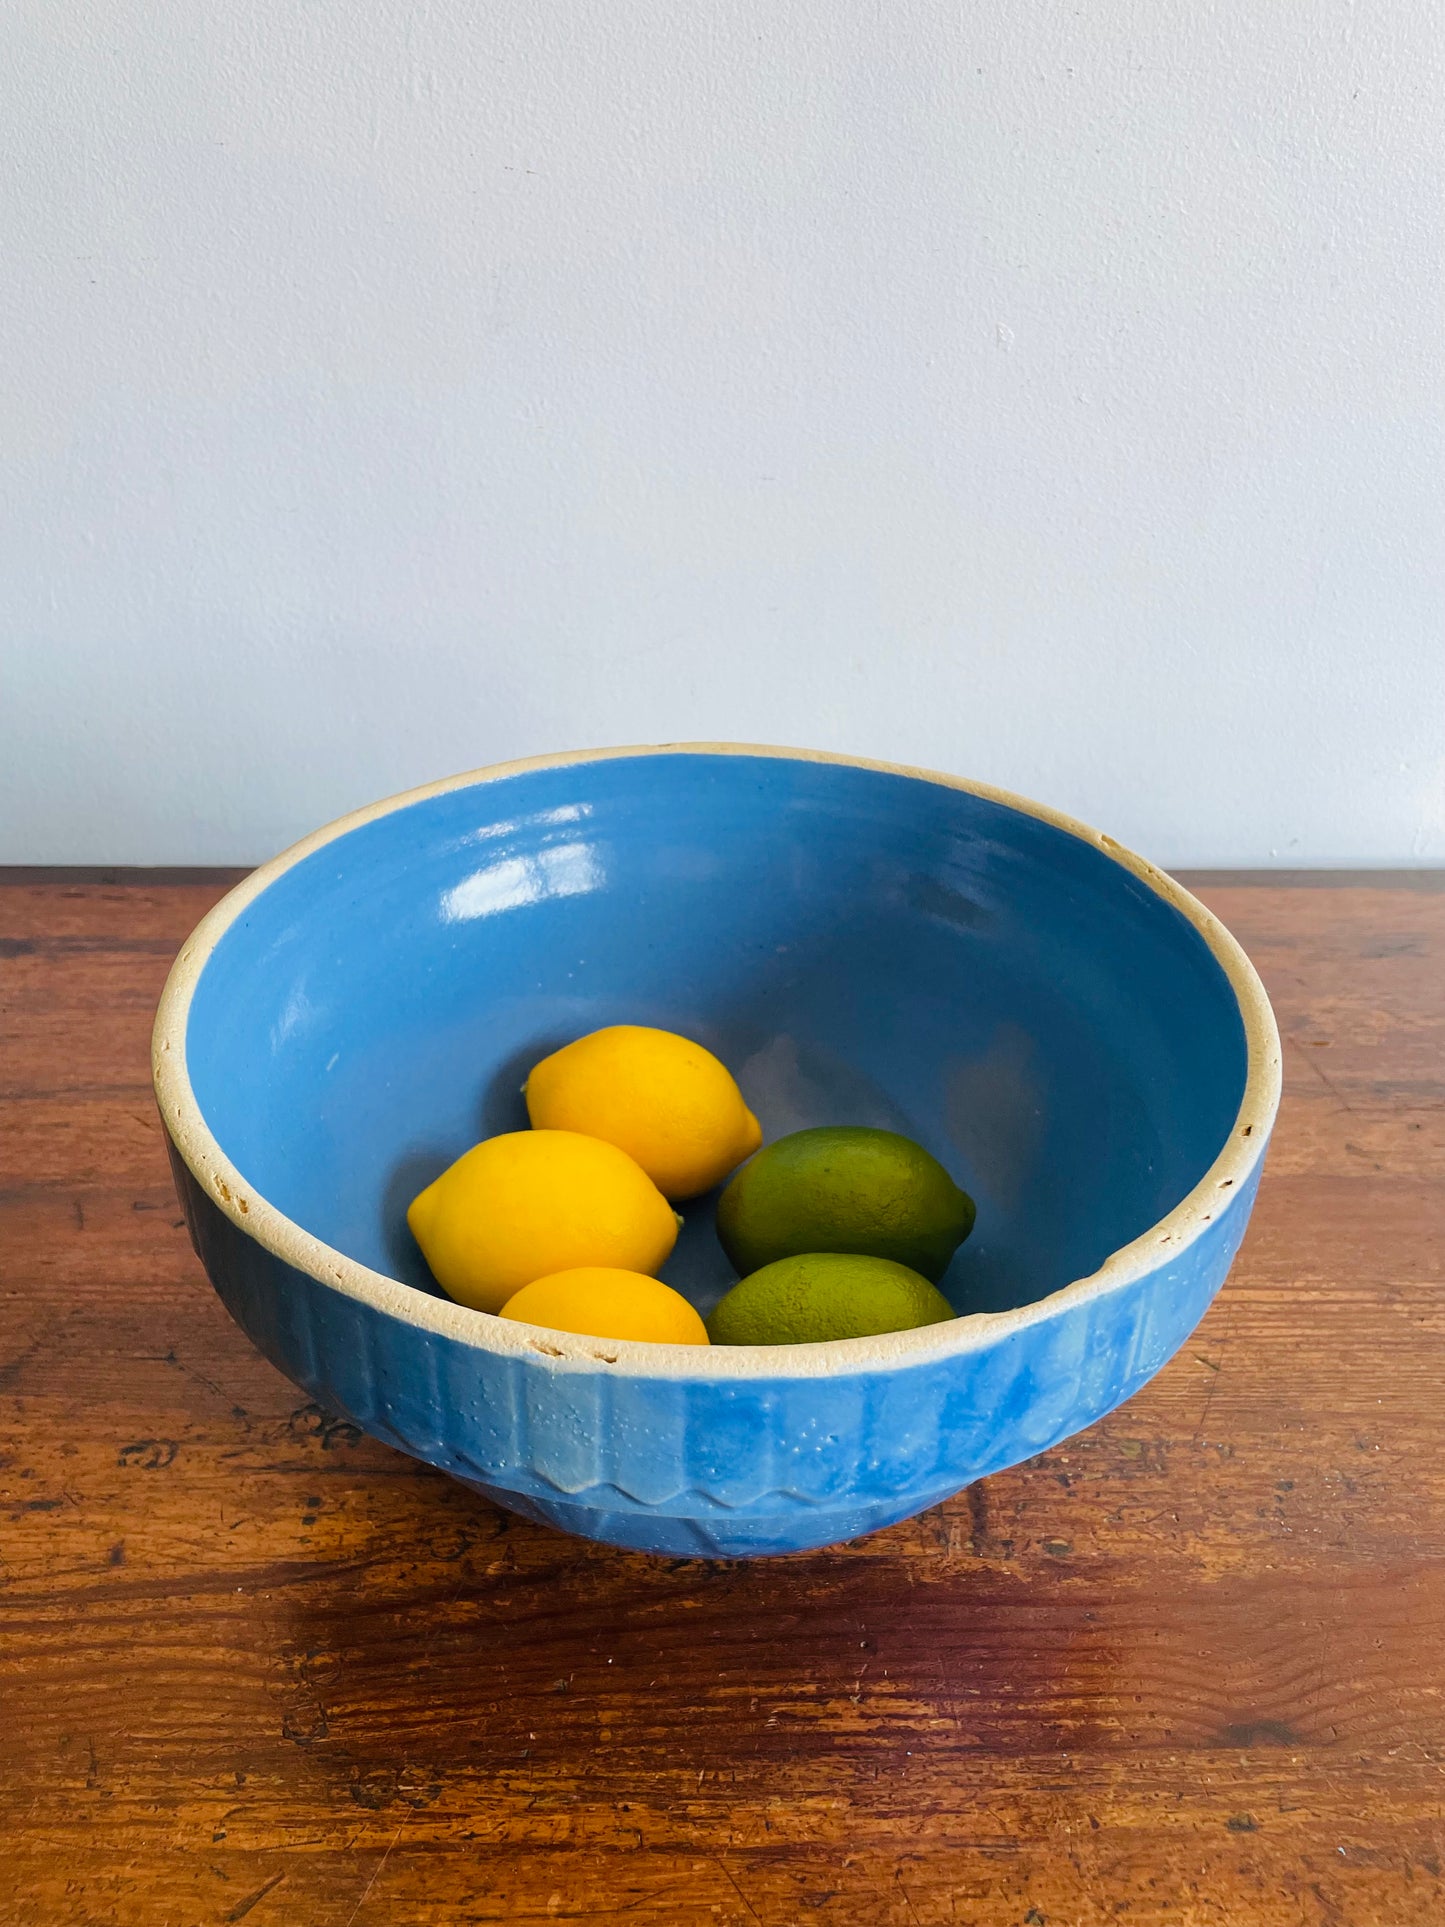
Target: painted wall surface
1050, 394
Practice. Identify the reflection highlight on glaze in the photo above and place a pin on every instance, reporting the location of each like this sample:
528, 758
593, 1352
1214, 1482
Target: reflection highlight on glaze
566, 870
298, 1013
539, 820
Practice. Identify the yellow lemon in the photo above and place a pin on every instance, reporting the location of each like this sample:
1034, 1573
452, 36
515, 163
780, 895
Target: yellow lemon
661, 1098
602, 1302
532, 1202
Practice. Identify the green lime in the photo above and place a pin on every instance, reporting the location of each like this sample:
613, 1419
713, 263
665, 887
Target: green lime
825, 1294
844, 1187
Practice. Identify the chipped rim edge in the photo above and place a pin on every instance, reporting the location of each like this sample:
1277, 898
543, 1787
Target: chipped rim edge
275, 1232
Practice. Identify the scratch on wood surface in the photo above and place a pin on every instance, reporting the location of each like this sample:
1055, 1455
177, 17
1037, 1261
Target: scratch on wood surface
907, 1897
736, 1888
243, 1907
950, 1696
376, 1871
1320, 1073
1214, 1378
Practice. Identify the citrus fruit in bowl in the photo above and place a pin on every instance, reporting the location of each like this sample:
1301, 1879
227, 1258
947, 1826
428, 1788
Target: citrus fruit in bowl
845, 1188
819, 1295
1069, 1037
526, 1204
664, 1099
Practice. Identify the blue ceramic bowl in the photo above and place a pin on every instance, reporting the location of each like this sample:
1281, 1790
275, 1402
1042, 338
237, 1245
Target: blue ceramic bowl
1076, 1037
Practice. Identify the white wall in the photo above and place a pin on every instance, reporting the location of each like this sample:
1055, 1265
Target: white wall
1049, 393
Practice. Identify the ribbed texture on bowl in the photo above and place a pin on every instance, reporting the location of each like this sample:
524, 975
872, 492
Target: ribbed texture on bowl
723, 1468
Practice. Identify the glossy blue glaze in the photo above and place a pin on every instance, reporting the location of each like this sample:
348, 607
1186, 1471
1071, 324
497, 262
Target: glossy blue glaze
861, 946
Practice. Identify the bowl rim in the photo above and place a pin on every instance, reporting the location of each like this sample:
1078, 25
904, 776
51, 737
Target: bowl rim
254, 1215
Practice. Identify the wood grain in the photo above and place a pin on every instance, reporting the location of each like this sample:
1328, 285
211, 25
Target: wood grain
1185, 1670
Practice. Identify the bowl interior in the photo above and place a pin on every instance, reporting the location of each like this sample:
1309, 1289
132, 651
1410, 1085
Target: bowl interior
858, 946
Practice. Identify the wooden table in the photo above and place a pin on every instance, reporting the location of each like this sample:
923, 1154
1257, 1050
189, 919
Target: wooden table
1185, 1669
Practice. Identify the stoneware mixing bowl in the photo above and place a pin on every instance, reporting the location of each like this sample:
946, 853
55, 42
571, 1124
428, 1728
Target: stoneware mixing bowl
1077, 1038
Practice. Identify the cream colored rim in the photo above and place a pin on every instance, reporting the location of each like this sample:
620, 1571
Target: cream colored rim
260, 1220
